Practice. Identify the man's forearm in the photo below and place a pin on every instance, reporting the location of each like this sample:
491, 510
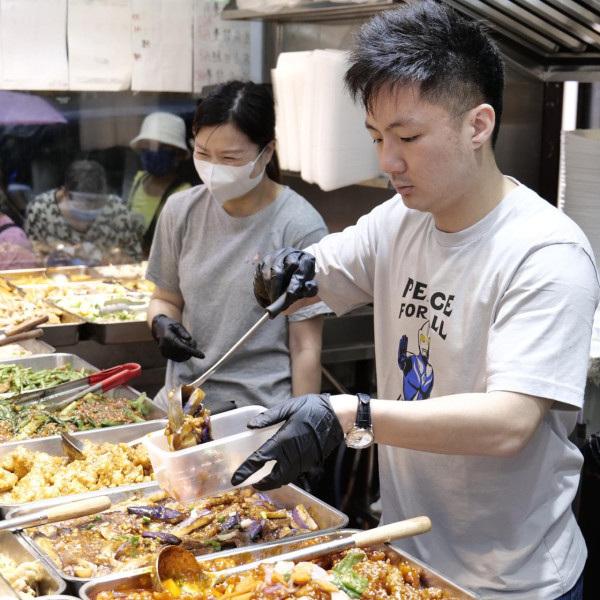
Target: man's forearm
494, 424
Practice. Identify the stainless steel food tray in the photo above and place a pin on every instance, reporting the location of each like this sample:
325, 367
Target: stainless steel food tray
50, 361
36, 347
65, 333
52, 445
119, 333
124, 332
327, 518
20, 551
142, 578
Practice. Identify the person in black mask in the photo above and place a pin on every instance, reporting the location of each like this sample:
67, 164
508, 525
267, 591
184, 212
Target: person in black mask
161, 145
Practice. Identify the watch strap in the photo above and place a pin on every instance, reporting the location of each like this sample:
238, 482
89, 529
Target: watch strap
363, 411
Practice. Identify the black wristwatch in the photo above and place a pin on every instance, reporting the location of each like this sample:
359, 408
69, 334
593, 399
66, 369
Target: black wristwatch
360, 435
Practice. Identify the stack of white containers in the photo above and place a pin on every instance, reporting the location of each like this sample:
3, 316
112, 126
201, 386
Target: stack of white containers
580, 187
320, 130
580, 194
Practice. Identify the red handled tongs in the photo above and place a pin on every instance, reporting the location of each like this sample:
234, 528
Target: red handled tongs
59, 396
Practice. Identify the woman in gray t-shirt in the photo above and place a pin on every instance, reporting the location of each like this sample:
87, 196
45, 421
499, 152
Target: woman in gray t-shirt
207, 244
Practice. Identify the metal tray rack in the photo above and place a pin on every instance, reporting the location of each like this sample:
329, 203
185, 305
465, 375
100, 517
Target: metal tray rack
19, 551
327, 518
142, 578
52, 445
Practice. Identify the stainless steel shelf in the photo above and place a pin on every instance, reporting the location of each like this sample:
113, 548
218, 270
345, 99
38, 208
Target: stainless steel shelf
313, 11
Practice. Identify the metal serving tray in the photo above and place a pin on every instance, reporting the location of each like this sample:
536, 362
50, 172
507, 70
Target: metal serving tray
36, 347
52, 445
124, 332
50, 361
19, 551
142, 578
157, 413
65, 333
119, 333
327, 518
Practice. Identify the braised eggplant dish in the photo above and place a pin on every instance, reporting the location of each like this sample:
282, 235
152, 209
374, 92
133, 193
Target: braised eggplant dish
129, 534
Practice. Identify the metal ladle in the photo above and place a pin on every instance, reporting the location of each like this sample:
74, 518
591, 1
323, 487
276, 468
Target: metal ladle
181, 567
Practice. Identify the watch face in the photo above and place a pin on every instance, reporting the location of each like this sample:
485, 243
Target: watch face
359, 438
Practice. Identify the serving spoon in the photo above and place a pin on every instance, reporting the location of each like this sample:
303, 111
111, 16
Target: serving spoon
179, 566
74, 448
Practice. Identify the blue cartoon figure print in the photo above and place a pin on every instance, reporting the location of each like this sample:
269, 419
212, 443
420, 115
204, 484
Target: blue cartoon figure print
416, 368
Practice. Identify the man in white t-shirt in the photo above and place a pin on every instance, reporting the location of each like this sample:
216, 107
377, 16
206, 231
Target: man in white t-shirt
483, 297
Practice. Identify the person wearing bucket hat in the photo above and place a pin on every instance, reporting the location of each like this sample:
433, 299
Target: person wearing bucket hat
162, 146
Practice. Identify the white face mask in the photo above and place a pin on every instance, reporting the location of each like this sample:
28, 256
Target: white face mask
226, 182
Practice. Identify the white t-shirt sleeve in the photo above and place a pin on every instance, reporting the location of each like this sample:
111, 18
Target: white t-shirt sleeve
345, 262
539, 341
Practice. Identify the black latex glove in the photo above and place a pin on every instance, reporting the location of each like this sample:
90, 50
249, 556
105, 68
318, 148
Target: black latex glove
310, 433
173, 339
288, 270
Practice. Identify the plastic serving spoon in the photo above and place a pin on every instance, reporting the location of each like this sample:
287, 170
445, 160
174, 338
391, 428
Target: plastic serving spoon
175, 565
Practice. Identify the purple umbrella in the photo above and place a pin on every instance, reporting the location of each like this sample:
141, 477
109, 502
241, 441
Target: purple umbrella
18, 108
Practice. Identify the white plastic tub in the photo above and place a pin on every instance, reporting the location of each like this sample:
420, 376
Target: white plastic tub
206, 469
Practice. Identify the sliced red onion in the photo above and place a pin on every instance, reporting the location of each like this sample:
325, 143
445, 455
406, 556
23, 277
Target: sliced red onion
223, 537
193, 517
263, 497
272, 589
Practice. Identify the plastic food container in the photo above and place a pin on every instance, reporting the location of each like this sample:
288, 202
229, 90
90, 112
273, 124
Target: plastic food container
206, 469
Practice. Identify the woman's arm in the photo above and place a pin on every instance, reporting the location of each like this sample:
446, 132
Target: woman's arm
166, 303
305, 338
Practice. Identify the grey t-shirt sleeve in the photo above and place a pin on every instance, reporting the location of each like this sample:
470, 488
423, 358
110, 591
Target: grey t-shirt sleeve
163, 261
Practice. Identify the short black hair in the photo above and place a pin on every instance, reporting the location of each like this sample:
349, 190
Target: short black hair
248, 106
87, 176
451, 59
